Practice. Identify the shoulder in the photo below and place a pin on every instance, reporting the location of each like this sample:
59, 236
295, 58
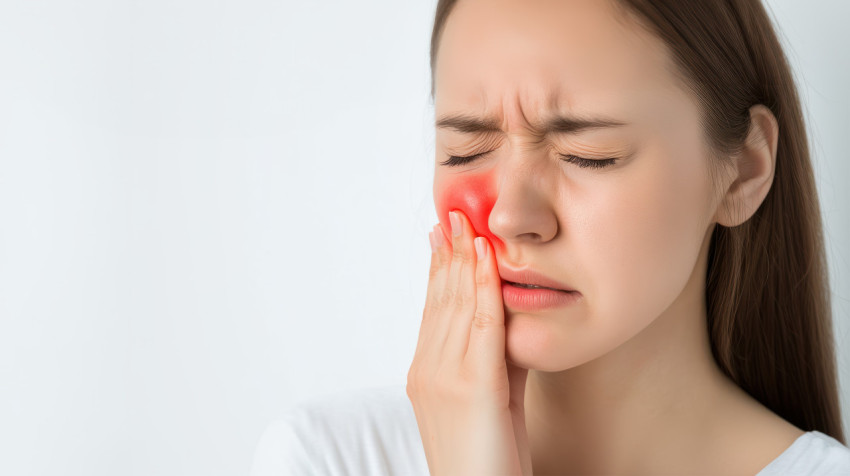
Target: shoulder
364, 431
813, 453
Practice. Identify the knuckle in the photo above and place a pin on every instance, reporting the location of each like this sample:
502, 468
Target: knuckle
462, 256
457, 299
483, 319
435, 302
464, 300
446, 299
458, 253
414, 379
433, 271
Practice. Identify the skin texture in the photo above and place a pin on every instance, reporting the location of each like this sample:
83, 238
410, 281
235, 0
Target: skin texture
622, 382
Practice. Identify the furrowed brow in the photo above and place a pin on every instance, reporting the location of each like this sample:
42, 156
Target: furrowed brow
467, 124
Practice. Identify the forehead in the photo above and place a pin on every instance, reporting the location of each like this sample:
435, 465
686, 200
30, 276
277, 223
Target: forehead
526, 59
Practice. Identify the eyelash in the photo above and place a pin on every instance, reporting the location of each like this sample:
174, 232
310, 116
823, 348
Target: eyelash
454, 161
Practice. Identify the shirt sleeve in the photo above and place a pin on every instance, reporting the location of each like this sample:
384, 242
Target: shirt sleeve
813, 454
370, 431
834, 460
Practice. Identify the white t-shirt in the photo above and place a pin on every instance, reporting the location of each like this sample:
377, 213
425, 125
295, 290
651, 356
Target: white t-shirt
373, 431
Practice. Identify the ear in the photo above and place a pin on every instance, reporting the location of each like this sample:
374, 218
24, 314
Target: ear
753, 172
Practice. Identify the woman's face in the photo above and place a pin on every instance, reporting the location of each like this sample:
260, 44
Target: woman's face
627, 236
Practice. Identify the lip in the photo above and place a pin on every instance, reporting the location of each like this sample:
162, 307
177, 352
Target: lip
532, 300
527, 275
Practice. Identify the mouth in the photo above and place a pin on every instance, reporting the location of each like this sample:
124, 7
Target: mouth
522, 297
528, 278
533, 286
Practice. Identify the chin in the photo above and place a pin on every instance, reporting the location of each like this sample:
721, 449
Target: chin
530, 344
536, 342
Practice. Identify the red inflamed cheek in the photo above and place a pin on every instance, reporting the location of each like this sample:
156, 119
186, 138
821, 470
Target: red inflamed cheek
475, 196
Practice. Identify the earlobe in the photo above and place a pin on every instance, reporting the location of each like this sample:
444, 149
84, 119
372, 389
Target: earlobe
754, 169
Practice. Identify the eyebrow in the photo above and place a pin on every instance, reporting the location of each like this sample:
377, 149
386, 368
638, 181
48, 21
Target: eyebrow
467, 124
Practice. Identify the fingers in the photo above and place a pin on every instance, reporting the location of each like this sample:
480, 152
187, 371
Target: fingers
461, 279
438, 272
461, 286
486, 348
464, 301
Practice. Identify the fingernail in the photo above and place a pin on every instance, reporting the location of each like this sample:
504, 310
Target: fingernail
480, 248
438, 236
431, 239
456, 228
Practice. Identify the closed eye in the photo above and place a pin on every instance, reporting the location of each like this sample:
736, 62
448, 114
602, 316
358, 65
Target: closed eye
592, 163
454, 161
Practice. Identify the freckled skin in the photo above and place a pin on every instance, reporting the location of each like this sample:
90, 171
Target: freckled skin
475, 196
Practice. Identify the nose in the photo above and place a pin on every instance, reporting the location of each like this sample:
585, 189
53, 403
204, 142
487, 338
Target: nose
522, 211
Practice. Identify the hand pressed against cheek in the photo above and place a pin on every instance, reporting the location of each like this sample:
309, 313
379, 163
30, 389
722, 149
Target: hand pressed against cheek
474, 195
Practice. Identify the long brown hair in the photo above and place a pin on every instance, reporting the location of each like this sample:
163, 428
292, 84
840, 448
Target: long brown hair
767, 284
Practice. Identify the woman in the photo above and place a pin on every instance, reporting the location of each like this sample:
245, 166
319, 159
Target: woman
628, 273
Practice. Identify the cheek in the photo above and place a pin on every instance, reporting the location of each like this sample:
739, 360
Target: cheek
646, 240
474, 195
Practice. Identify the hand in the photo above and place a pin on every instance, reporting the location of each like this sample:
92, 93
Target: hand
467, 398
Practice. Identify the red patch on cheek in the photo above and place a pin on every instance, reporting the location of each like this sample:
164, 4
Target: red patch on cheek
475, 196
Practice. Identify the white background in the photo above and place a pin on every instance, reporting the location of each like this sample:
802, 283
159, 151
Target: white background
212, 209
